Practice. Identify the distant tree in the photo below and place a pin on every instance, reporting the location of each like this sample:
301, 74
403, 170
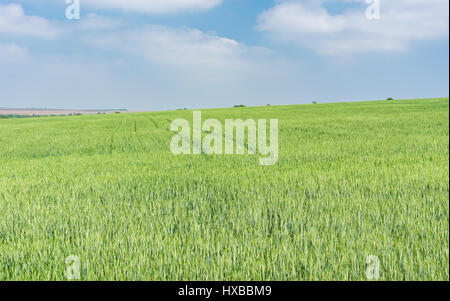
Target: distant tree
390, 98
314, 102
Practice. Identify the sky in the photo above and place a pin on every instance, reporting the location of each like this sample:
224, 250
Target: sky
170, 54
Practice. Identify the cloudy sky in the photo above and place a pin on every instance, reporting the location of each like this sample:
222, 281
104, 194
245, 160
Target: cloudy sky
168, 54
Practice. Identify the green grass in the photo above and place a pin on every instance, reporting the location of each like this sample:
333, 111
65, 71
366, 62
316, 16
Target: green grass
353, 180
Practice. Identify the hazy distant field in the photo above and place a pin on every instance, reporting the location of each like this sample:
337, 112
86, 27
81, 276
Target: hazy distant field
352, 180
49, 112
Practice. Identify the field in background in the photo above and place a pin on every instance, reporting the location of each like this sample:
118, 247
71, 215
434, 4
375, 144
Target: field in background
4, 113
353, 180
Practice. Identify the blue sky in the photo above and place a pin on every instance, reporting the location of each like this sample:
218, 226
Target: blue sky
168, 54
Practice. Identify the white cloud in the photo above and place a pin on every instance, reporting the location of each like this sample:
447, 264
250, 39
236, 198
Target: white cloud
143, 6
155, 6
181, 48
96, 22
13, 21
402, 23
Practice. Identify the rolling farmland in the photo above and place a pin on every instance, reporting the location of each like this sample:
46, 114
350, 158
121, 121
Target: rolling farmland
353, 180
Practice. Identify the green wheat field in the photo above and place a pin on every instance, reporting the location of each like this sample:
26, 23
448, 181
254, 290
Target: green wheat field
353, 180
